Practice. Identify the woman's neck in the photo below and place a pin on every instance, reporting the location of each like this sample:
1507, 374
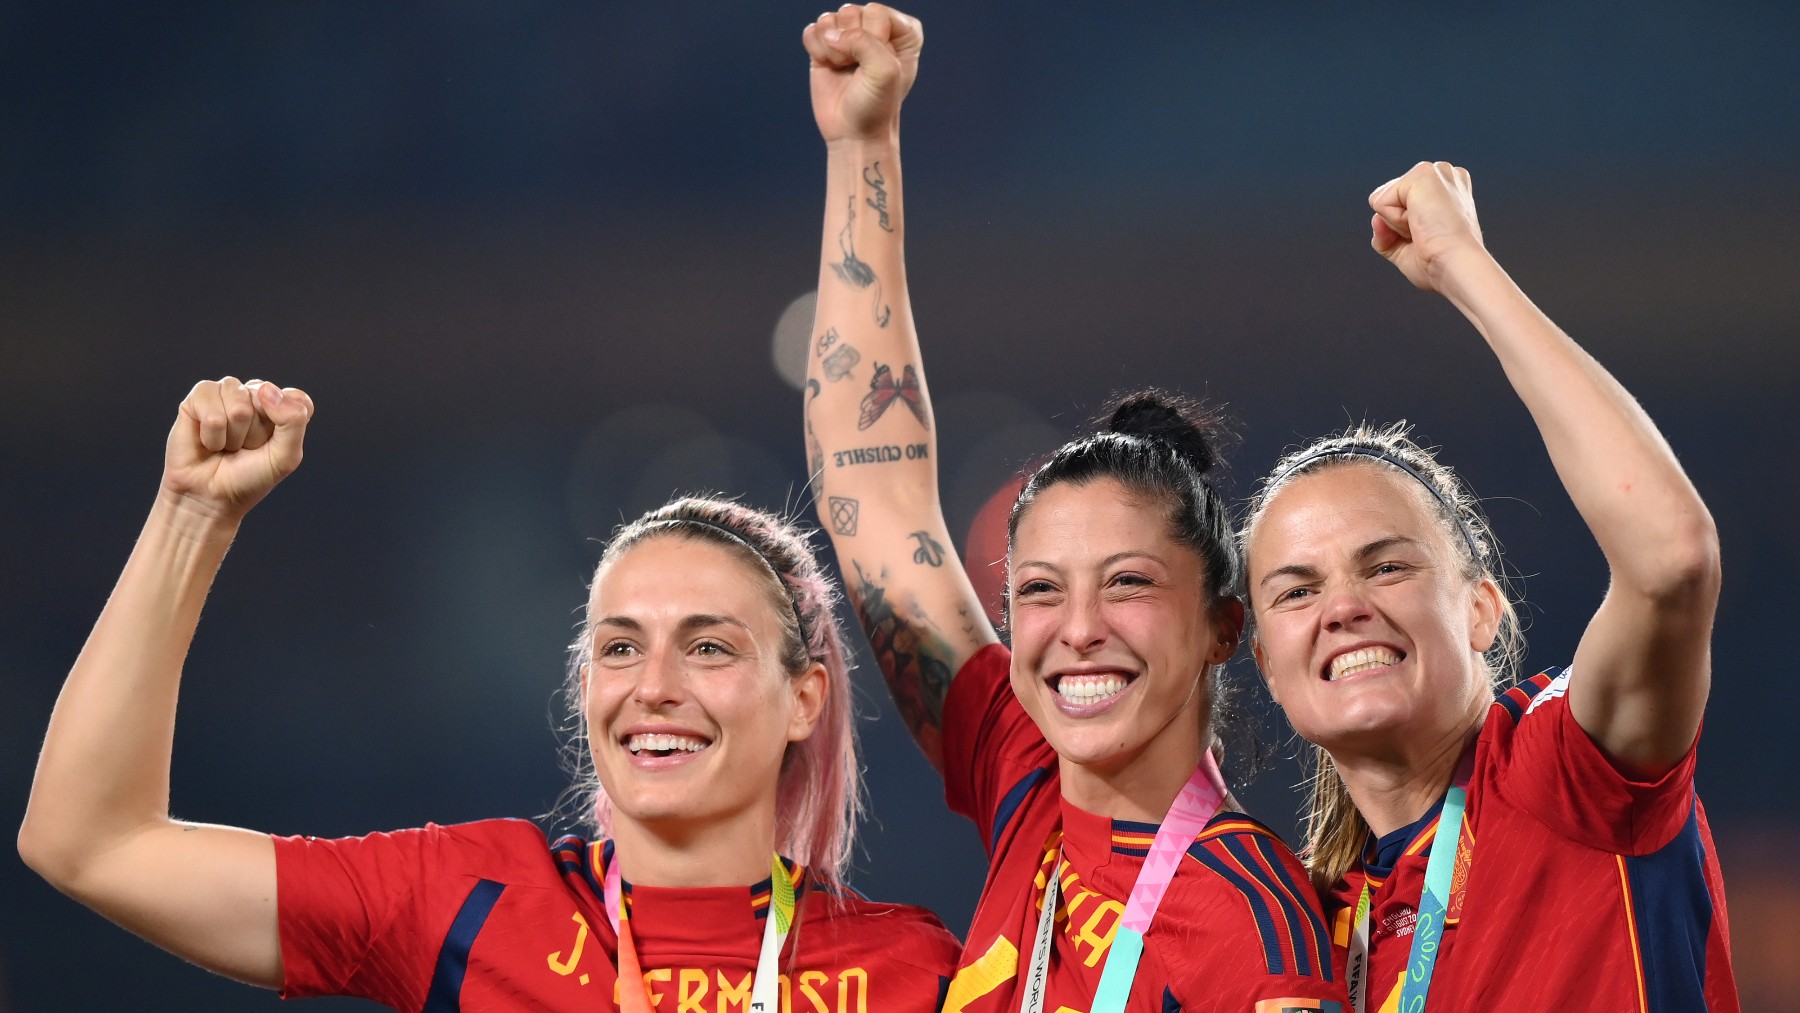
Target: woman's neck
670, 853
1140, 788
1396, 785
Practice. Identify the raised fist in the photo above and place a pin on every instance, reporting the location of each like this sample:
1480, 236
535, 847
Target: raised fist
232, 442
1422, 218
864, 60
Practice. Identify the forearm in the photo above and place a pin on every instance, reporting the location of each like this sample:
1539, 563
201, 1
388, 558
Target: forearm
104, 770
1656, 533
873, 444
1644, 660
868, 408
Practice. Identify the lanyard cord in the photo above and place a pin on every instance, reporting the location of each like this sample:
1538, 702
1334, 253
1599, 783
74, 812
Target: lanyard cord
1194, 805
1356, 973
1434, 906
776, 923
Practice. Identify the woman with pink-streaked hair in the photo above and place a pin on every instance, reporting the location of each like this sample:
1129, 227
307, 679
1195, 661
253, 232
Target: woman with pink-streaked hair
712, 700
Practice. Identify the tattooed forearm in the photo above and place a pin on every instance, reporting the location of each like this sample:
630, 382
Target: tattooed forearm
929, 552
913, 657
882, 454
878, 183
856, 271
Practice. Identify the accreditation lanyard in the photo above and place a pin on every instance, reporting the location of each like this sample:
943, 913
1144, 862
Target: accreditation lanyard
1196, 803
1434, 906
634, 993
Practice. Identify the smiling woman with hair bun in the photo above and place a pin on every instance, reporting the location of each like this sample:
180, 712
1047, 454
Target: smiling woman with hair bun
1121, 875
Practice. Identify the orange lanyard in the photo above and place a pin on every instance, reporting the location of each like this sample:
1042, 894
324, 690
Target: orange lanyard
634, 992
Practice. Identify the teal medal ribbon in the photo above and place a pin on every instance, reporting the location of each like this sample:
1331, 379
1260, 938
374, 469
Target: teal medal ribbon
1434, 900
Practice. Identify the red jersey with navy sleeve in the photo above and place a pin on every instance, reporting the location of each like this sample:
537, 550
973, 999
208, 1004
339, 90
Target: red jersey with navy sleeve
1239, 930
488, 916
1575, 887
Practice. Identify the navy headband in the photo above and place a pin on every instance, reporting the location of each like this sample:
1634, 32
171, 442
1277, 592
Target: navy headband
1382, 455
793, 602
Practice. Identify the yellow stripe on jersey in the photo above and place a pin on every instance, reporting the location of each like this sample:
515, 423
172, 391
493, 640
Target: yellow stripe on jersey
1235, 827
999, 965
1421, 842
1392, 1003
1637, 953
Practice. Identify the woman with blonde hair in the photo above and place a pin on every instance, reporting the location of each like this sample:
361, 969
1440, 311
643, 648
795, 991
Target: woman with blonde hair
1542, 848
711, 687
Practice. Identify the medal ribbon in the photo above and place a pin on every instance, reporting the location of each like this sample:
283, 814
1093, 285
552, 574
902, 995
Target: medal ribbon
1194, 805
1357, 972
1434, 905
634, 992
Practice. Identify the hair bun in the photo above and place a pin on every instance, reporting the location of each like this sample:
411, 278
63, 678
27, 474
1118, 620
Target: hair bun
1193, 430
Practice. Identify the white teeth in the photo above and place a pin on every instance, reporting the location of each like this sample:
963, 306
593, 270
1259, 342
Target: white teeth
1088, 688
661, 743
1362, 659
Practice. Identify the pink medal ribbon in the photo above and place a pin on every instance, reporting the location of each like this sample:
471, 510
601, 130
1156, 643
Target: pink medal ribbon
1195, 805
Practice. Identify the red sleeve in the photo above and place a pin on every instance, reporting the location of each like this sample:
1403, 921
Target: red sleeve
992, 748
1554, 770
366, 916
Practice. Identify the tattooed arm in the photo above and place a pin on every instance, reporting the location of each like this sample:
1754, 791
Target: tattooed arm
870, 438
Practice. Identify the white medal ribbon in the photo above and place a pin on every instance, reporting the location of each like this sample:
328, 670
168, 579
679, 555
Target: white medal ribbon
1037, 976
765, 987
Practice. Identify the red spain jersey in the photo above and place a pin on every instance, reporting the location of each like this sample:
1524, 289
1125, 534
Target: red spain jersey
1575, 887
488, 916
1240, 929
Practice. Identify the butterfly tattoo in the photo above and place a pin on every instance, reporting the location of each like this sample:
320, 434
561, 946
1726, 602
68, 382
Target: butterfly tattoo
883, 392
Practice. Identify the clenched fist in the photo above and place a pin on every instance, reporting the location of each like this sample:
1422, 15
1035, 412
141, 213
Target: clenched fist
864, 60
1423, 218
232, 442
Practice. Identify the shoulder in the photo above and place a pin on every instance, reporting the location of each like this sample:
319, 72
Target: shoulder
1254, 877
1526, 698
433, 859
887, 933
510, 838
978, 676
1249, 857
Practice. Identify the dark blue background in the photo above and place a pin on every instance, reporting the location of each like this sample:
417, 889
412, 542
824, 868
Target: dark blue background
528, 259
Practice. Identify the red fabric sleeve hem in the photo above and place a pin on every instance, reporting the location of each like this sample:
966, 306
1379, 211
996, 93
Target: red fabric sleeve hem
966, 710
1560, 774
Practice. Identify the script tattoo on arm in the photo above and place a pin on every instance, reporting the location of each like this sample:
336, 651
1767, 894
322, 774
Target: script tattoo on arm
855, 271
878, 183
914, 660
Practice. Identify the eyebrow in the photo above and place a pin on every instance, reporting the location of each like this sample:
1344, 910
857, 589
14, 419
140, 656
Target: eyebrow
689, 624
1104, 563
1307, 572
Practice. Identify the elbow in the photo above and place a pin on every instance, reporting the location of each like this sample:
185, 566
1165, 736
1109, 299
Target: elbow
57, 857
38, 853
1685, 569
